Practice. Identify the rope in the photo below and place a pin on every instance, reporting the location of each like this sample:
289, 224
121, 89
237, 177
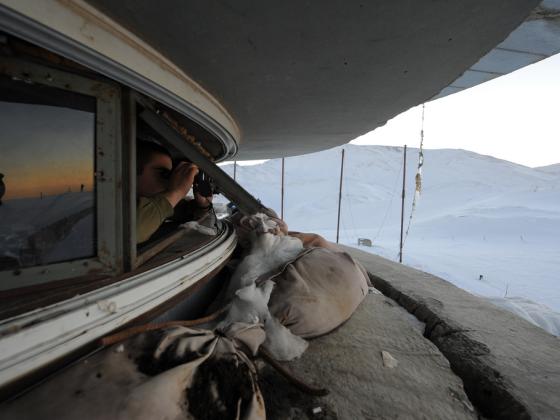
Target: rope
418, 178
130, 332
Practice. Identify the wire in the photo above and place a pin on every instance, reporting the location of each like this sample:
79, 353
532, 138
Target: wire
345, 232
390, 203
351, 213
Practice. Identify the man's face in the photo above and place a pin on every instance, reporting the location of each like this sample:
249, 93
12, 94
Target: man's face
155, 176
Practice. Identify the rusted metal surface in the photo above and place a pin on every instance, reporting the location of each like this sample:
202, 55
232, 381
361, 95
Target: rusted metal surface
185, 134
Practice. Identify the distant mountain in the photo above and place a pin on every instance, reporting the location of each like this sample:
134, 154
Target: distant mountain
551, 169
454, 182
477, 215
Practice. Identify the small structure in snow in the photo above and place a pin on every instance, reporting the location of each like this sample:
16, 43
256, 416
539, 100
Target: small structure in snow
364, 242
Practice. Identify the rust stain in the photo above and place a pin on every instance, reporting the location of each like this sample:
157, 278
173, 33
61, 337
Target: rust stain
11, 330
185, 134
104, 251
103, 91
95, 271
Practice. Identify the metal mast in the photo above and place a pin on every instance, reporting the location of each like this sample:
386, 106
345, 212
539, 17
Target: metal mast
402, 203
282, 197
340, 195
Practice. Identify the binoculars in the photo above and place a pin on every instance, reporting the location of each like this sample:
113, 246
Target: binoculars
203, 185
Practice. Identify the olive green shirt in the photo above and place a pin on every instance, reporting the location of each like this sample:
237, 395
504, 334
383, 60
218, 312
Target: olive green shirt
151, 212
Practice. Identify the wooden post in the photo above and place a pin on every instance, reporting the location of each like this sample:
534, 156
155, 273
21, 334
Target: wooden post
282, 192
340, 195
234, 169
402, 203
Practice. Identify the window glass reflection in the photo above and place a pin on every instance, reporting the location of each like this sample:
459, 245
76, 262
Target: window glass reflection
47, 211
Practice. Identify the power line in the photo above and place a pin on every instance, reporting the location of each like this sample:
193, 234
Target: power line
390, 203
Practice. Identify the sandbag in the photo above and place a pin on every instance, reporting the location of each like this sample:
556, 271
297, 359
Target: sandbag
317, 292
177, 373
248, 227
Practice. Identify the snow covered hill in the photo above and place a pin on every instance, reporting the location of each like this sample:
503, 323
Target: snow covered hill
551, 169
489, 226
46, 230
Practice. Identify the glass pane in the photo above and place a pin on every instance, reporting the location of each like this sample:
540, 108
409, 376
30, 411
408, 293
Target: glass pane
47, 197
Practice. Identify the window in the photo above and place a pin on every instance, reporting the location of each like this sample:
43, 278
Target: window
47, 213
60, 171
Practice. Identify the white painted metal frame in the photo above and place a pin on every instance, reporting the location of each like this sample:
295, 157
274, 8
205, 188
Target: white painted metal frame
35, 339
108, 179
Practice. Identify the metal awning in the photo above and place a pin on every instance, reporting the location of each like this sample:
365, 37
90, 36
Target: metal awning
292, 77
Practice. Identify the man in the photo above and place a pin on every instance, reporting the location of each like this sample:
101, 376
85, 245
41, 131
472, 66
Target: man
2, 187
161, 190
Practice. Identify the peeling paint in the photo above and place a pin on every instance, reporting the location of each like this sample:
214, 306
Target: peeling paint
107, 306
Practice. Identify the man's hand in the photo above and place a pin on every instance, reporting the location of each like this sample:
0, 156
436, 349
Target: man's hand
180, 182
202, 202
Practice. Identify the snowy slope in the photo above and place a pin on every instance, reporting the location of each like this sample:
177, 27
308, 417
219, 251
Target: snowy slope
29, 233
551, 169
477, 215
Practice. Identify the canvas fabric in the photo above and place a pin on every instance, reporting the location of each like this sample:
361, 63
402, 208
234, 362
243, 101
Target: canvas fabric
156, 375
247, 227
317, 292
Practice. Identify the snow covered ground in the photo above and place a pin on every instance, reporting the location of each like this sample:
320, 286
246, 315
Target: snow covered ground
47, 230
489, 226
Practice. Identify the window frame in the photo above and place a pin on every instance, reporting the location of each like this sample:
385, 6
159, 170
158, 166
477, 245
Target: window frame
108, 178
170, 137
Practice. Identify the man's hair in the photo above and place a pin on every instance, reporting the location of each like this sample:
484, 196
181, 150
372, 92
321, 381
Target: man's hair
145, 150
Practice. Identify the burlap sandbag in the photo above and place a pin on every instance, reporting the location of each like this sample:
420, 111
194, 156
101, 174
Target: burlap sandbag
318, 291
177, 373
247, 227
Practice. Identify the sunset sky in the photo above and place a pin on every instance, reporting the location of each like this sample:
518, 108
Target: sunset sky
45, 149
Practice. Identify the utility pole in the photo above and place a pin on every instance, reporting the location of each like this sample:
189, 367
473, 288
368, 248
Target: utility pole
340, 194
402, 204
282, 198
234, 169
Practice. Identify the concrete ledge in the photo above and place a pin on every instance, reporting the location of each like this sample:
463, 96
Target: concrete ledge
349, 362
510, 368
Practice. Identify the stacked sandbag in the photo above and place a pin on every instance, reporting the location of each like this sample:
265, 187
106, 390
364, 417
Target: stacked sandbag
317, 291
317, 286
176, 373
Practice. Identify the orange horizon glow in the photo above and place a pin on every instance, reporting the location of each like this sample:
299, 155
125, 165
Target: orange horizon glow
25, 183
46, 150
